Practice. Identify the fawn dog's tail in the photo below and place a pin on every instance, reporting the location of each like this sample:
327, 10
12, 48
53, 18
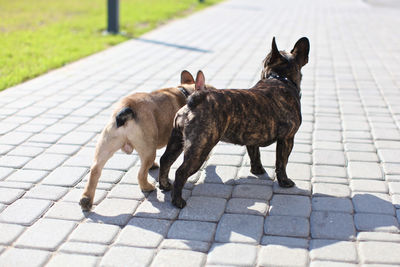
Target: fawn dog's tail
124, 115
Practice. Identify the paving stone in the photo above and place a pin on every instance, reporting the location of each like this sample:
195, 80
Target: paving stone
332, 264
376, 222
290, 205
389, 155
391, 168
26, 151
65, 176
365, 170
328, 145
14, 161
46, 234
227, 160
108, 176
394, 188
378, 236
276, 255
114, 211
16, 185
25, 211
94, 233
300, 188
287, 226
66, 211
143, 232
329, 171
45, 138
337, 204
24, 257
60, 128
83, 248
127, 256
362, 147
253, 191
76, 138
335, 190
229, 149
173, 257
46, 161
334, 250
63, 149
29, 176
158, 205
290, 242
373, 203
362, 156
14, 138
5, 172
239, 228
182, 244
74, 195
203, 209
329, 157
379, 252
332, 225
192, 230
62, 259
46, 192
246, 177
10, 232
127, 192
247, 206
212, 190
219, 174
232, 254
298, 171
9, 195
368, 186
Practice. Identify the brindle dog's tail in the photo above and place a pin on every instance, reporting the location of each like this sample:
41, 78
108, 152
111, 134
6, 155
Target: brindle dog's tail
124, 115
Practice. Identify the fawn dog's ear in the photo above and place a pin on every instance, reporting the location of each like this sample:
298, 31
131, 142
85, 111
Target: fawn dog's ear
186, 77
300, 51
200, 81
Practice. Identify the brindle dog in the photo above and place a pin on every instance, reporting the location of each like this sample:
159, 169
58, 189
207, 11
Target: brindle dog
267, 113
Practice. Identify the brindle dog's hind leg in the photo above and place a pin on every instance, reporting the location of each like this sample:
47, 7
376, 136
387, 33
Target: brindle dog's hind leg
195, 155
283, 149
172, 152
255, 161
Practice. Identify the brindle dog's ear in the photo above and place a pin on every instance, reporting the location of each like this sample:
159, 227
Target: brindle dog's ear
200, 81
301, 50
186, 77
275, 55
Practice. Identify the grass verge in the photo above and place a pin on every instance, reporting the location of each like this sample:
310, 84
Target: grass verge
37, 36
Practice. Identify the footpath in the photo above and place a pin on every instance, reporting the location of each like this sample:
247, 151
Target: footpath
344, 210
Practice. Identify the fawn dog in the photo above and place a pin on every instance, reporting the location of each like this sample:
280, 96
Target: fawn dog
141, 121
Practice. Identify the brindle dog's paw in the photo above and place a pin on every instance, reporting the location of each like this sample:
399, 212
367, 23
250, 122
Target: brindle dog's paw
286, 183
257, 170
179, 202
86, 203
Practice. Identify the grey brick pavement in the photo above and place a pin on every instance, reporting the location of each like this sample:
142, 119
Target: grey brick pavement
344, 210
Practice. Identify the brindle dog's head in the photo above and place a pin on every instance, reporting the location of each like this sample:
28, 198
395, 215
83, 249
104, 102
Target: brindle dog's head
286, 64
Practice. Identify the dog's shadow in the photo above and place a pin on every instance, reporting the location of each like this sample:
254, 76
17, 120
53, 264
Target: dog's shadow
329, 219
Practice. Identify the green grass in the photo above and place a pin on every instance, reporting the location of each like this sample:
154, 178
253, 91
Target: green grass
40, 35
